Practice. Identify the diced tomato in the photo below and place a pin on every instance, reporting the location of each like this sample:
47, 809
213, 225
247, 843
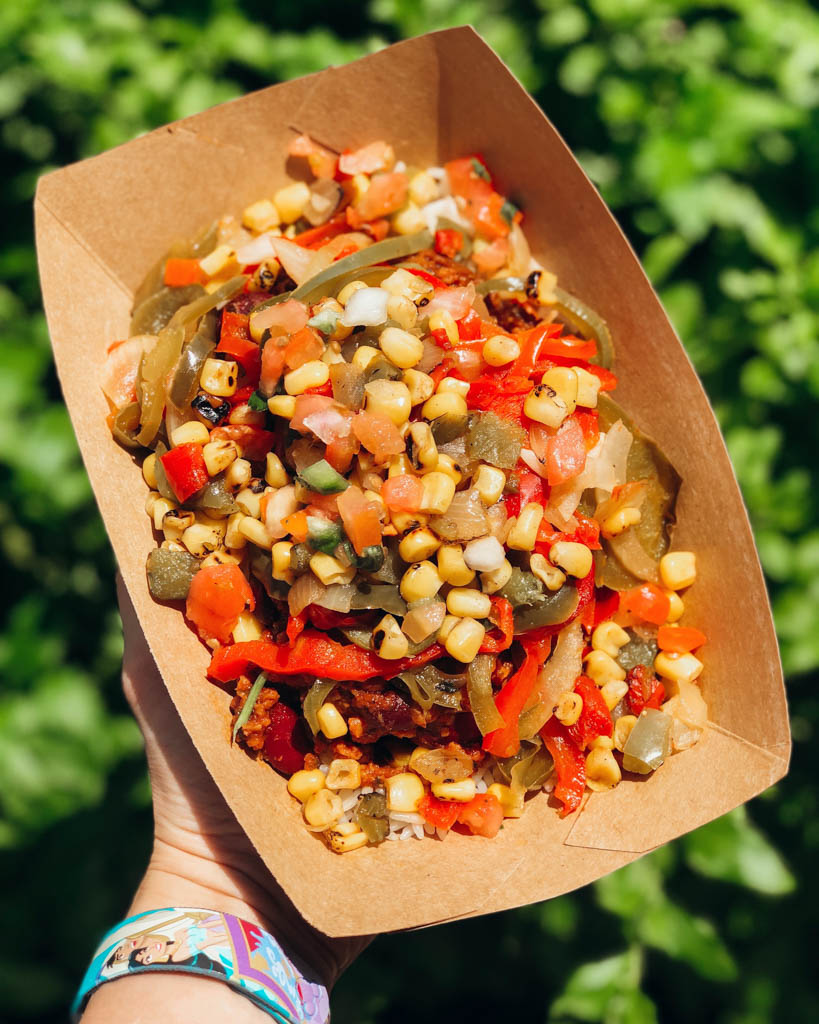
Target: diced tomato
375, 156
185, 469
360, 517
323, 163
303, 346
440, 813
491, 258
646, 602
296, 526
449, 242
589, 424
122, 367
377, 229
530, 489
254, 442
469, 179
285, 742
404, 492
378, 435
235, 341
680, 639
217, 597
179, 272
272, 365
386, 194
502, 396
306, 405
339, 453
483, 815
644, 690
565, 452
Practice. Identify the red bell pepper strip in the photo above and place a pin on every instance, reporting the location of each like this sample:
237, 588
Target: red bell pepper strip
313, 654
680, 639
286, 742
586, 532
179, 272
295, 625
505, 741
440, 813
448, 242
608, 603
185, 469
595, 718
502, 614
530, 347
436, 282
646, 602
314, 238
469, 326
570, 765
235, 341
589, 420
644, 690
239, 396
543, 342
503, 396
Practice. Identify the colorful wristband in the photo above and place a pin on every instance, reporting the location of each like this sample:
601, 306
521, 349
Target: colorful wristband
213, 945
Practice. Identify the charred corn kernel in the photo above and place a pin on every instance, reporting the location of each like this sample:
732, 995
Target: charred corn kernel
563, 381
676, 606
492, 582
402, 282
219, 377
291, 200
468, 604
345, 773
454, 385
523, 535
283, 405
238, 474
489, 483
331, 721
679, 668
464, 640
260, 216
439, 490
192, 432
218, 260
546, 406
546, 284
249, 502
221, 557
281, 561
200, 539
175, 545
449, 623
159, 508
363, 356
622, 730
247, 628
573, 558
602, 743
420, 385
678, 569
400, 465
178, 519
418, 545
602, 770
445, 403
503, 794
569, 707
303, 784
602, 668
618, 522
388, 640
149, 470
323, 809
345, 836
609, 637
442, 320
404, 792
424, 449
274, 472
549, 575
171, 533
588, 388
613, 692
409, 220
449, 467
404, 521
312, 374
219, 455
423, 188
500, 350
330, 570
422, 579
400, 347
389, 398
234, 538
456, 792
256, 532
404, 312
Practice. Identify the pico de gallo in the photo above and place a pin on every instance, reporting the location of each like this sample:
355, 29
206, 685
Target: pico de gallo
395, 498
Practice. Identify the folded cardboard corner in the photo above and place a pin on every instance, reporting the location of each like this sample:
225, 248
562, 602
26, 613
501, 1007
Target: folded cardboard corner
102, 223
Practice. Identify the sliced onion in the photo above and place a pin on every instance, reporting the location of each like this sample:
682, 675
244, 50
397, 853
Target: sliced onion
558, 675
605, 468
281, 505
366, 308
305, 591
520, 255
316, 696
446, 207
481, 700
690, 714
534, 463
464, 519
457, 301
294, 258
304, 453
539, 439
423, 620
337, 597
499, 523
283, 318
448, 764
257, 251
433, 356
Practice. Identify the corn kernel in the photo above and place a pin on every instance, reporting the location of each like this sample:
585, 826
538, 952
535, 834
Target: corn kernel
588, 388
234, 538
569, 707
323, 809
468, 604
573, 558
622, 730
546, 284
238, 474
602, 743
452, 566
402, 349
399, 465
303, 784
679, 668
401, 522
260, 216
442, 320
420, 385
549, 575
676, 606
423, 448
312, 374
274, 472
456, 792
219, 377
409, 220
489, 483
464, 640
249, 502
609, 637
149, 470
329, 570
678, 569
444, 403
218, 455
449, 623
545, 405
159, 507
602, 668
345, 773
449, 467
500, 350
453, 385
439, 490
404, 312
330, 721
402, 282
503, 794
423, 188
247, 628
200, 539
344, 837
389, 642
215, 262
360, 183
602, 770
389, 398
613, 692
281, 561
523, 534
178, 519
419, 581
563, 381
282, 405
492, 582
291, 200
419, 545
256, 532
221, 557
404, 792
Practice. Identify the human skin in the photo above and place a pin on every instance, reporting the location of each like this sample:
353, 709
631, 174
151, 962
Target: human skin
200, 858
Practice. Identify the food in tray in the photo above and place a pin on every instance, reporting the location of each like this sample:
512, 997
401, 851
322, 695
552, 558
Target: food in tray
429, 552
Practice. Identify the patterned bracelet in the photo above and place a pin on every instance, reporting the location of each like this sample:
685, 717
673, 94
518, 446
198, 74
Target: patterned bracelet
214, 945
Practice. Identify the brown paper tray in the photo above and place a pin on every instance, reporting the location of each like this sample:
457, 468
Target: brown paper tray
103, 222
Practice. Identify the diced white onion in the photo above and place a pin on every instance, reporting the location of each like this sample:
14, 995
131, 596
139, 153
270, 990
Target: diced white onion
533, 462
445, 207
282, 504
257, 251
366, 308
484, 555
328, 425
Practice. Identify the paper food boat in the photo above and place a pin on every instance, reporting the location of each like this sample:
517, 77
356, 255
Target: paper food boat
102, 223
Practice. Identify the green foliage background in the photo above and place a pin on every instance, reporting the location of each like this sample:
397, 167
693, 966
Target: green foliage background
697, 119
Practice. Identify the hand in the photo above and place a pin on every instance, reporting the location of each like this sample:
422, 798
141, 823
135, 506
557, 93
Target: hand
201, 856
